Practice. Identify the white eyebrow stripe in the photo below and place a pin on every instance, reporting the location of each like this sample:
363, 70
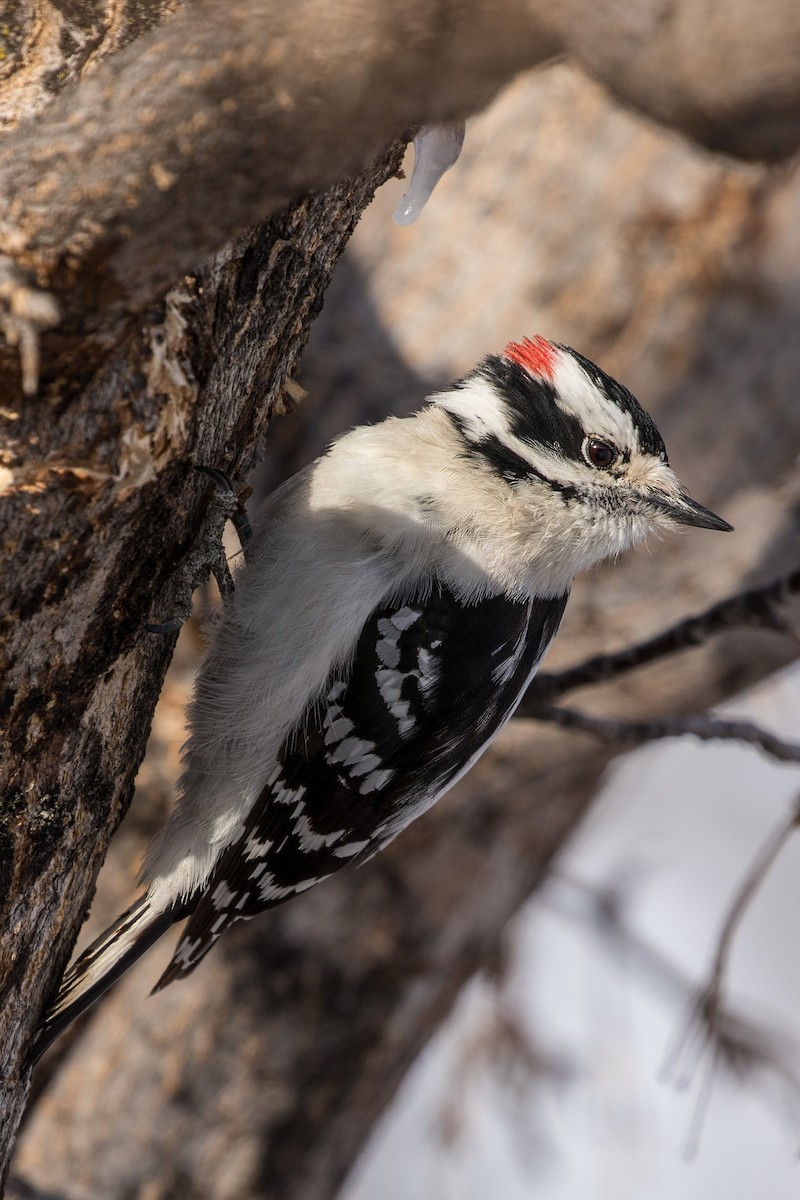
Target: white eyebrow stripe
576, 395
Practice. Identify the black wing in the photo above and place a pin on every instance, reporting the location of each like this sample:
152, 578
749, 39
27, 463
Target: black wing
431, 682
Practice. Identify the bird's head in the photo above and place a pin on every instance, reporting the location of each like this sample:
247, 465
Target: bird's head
575, 448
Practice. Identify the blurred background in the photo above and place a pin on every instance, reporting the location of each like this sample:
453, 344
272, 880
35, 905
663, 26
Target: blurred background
579, 1072
675, 270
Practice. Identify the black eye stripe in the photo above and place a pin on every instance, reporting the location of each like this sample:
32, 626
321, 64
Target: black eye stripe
535, 419
510, 466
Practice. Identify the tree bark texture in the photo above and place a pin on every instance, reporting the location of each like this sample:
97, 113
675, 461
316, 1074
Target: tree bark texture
262, 1074
102, 508
202, 126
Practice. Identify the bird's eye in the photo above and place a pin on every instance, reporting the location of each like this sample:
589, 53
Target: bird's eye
599, 453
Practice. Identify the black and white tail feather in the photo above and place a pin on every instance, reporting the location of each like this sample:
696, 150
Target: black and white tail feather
395, 603
103, 963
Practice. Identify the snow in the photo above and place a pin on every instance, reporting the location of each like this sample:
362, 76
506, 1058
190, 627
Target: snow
674, 831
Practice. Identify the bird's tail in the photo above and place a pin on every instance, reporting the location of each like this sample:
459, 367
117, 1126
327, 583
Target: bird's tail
102, 964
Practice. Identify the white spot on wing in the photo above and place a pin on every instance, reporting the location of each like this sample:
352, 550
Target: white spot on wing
375, 781
369, 763
305, 884
387, 648
351, 849
222, 896
428, 669
255, 847
185, 954
269, 890
352, 751
288, 795
389, 684
404, 618
336, 726
309, 840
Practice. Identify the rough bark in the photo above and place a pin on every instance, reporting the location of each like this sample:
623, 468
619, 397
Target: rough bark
121, 186
204, 125
262, 1074
103, 508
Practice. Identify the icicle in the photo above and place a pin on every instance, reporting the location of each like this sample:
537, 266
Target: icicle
436, 149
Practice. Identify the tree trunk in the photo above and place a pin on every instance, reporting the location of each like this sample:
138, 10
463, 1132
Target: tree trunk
263, 1073
105, 510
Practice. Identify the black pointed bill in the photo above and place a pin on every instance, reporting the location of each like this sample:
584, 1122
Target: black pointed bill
686, 511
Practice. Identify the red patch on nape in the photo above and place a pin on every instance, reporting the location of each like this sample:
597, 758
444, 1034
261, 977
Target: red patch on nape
534, 354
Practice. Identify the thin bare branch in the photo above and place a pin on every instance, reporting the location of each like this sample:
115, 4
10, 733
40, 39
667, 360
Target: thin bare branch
737, 1043
753, 609
749, 886
706, 728
707, 1025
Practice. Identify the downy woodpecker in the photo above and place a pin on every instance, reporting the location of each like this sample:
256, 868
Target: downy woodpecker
394, 605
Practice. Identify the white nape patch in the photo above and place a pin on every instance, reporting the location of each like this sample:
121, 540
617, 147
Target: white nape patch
309, 840
483, 411
578, 396
436, 150
350, 850
256, 848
